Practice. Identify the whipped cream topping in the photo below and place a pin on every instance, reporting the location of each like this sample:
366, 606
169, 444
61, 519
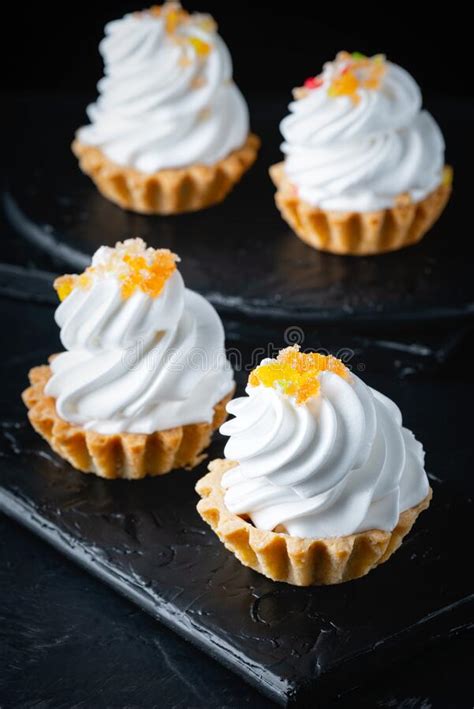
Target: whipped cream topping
361, 151
167, 99
338, 464
137, 363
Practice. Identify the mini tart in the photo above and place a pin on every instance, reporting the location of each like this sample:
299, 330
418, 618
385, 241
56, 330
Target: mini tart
359, 233
166, 191
297, 561
123, 455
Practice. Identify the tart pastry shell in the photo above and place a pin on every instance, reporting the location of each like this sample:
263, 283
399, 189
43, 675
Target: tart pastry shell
123, 455
294, 560
358, 233
166, 191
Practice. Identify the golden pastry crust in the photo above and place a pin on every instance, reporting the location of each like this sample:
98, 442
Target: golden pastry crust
297, 561
358, 233
123, 455
166, 191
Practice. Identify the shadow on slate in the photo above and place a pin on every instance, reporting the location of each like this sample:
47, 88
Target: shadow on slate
241, 255
412, 308
146, 540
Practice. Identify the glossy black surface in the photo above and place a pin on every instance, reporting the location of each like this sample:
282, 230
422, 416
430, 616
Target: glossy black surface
240, 254
147, 541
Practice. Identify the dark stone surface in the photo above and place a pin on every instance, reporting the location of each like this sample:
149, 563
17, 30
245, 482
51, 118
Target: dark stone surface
240, 254
146, 539
69, 641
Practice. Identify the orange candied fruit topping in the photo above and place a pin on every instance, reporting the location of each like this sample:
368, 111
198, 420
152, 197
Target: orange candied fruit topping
172, 13
345, 85
201, 48
148, 277
356, 71
135, 266
174, 17
64, 285
296, 373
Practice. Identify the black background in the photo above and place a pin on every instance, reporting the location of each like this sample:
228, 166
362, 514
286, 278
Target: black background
275, 46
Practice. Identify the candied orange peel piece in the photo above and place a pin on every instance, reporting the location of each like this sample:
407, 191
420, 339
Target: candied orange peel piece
172, 14
348, 74
201, 47
345, 85
148, 277
356, 71
296, 373
134, 265
64, 285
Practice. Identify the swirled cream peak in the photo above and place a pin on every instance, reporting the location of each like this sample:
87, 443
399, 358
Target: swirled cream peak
167, 99
356, 138
337, 463
143, 353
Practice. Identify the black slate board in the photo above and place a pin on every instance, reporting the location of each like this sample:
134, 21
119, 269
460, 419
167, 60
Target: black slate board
137, 662
147, 541
240, 254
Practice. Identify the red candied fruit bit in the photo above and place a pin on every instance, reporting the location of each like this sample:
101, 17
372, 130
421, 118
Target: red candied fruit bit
314, 82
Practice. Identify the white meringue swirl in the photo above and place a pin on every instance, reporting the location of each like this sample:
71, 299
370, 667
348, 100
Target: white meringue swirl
161, 105
140, 364
361, 156
339, 464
